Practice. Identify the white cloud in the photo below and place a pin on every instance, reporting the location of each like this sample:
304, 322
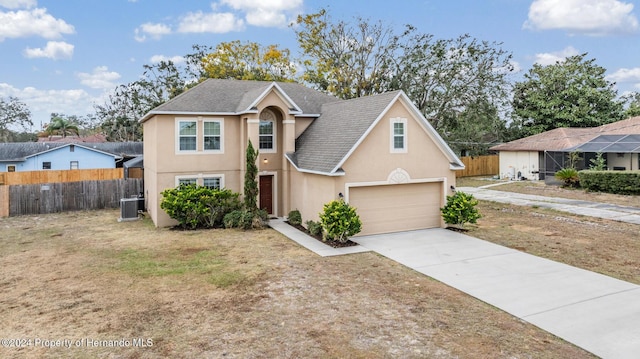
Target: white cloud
55, 50
589, 17
625, 75
267, 13
159, 58
18, 4
550, 58
155, 31
36, 22
99, 78
42, 103
218, 23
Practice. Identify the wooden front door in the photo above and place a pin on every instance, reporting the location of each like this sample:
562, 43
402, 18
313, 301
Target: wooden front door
266, 193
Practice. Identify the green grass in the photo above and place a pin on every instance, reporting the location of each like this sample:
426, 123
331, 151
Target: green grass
207, 262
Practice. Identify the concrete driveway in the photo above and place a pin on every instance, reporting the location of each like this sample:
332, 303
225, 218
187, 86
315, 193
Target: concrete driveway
595, 312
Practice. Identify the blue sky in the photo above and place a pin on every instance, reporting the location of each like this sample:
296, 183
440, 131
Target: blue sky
64, 56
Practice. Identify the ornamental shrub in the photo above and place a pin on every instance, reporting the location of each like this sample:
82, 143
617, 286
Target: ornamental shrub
460, 209
245, 219
569, 177
618, 182
314, 228
295, 218
183, 204
339, 221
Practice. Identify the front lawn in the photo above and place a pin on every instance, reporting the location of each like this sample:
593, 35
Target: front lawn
227, 293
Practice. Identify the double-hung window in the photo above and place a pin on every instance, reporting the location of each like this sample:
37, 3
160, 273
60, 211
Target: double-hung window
188, 135
398, 135
187, 181
212, 135
212, 182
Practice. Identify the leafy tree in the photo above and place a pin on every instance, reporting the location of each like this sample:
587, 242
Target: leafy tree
345, 60
447, 77
61, 126
250, 181
13, 112
444, 78
572, 93
248, 61
632, 101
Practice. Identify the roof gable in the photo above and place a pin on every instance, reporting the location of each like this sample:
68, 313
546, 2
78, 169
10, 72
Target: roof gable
220, 96
331, 139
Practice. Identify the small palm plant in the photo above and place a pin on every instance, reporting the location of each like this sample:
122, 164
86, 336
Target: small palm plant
569, 177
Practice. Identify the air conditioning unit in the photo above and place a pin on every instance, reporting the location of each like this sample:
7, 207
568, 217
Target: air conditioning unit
128, 209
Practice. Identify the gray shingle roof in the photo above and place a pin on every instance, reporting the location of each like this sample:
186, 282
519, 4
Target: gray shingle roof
329, 138
19, 151
234, 96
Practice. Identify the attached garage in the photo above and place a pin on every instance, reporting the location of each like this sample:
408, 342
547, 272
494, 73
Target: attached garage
397, 207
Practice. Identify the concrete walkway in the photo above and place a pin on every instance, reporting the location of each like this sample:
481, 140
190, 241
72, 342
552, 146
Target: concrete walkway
585, 208
597, 313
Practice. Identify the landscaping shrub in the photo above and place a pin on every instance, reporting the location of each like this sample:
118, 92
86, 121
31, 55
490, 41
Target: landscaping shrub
196, 206
460, 209
618, 182
569, 177
314, 228
340, 221
295, 218
245, 219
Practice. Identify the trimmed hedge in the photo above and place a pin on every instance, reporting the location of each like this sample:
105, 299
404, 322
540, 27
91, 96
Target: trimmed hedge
618, 182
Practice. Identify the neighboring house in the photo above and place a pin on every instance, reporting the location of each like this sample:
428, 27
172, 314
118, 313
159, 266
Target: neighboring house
33, 156
377, 152
541, 156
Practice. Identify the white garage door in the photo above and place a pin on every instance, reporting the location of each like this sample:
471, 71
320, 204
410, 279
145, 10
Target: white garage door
398, 207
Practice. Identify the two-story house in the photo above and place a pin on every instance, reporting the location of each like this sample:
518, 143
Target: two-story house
378, 152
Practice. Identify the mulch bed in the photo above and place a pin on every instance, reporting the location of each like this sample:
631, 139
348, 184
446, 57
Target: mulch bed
334, 244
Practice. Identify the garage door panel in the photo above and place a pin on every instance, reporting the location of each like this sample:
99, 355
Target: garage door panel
400, 207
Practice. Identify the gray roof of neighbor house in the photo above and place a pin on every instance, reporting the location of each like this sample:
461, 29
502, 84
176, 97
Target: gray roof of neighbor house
218, 96
19, 151
561, 139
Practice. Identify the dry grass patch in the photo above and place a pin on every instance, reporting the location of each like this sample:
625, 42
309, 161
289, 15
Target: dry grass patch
234, 294
608, 247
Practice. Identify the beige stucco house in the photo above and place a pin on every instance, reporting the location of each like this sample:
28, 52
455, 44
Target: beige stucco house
377, 152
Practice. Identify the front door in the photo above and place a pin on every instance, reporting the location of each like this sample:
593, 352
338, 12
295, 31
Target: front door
266, 193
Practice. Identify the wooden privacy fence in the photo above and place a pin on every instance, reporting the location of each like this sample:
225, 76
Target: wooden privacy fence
69, 196
479, 166
51, 176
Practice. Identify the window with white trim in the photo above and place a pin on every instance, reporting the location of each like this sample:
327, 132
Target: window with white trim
212, 135
46, 165
187, 135
398, 135
212, 182
11, 168
267, 132
74, 165
186, 181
